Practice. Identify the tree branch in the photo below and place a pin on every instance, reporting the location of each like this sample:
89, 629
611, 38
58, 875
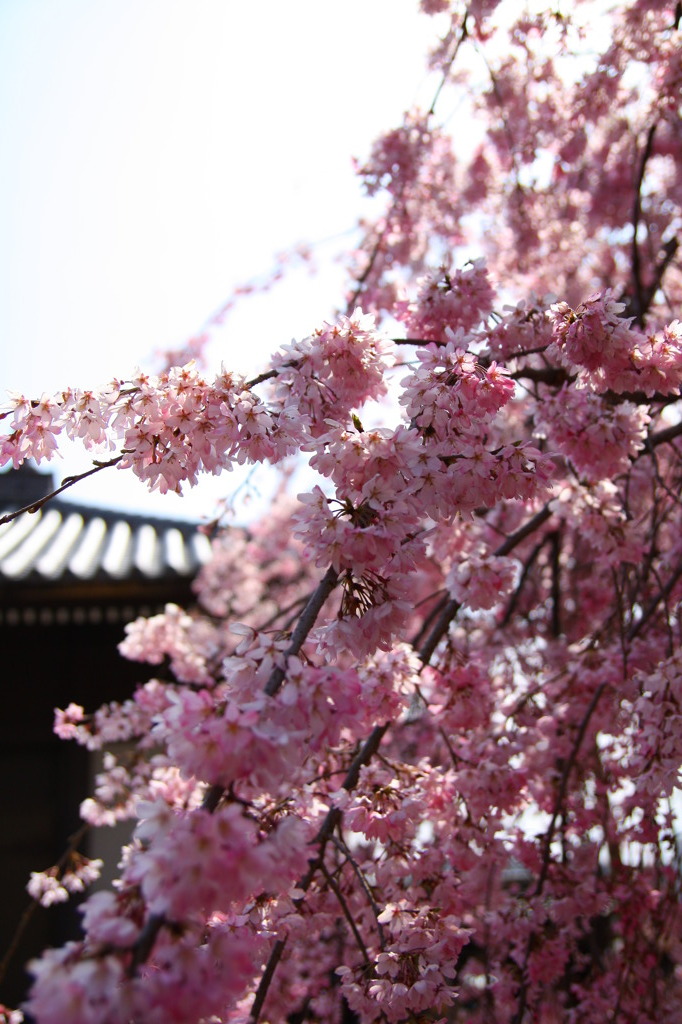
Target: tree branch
638, 288
331, 882
74, 842
664, 436
663, 595
343, 848
269, 374
68, 481
463, 34
305, 624
450, 608
549, 835
332, 818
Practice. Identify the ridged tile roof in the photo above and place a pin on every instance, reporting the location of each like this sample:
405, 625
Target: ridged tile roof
65, 542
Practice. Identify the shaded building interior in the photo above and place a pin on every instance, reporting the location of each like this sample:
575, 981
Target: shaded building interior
71, 577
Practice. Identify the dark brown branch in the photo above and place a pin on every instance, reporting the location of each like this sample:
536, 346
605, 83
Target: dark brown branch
518, 590
663, 595
68, 481
638, 288
442, 624
367, 751
364, 756
549, 835
145, 942
523, 531
555, 376
212, 798
423, 629
305, 624
214, 793
332, 819
73, 843
415, 341
269, 375
664, 436
669, 252
555, 561
331, 882
266, 979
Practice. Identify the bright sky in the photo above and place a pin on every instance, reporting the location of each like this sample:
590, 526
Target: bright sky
158, 152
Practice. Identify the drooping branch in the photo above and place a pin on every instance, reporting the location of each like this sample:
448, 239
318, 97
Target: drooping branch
447, 609
525, 570
332, 819
461, 37
305, 624
331, 882
342, 846
68, 481
669, 252
367, 751
214, 794
638, 310
662, 595
548, 837
62, 864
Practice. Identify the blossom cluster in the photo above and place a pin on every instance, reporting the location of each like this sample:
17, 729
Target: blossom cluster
55, 886
462, 298
597, 339
175, 426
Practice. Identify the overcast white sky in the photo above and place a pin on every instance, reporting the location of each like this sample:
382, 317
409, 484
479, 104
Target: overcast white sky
158, 152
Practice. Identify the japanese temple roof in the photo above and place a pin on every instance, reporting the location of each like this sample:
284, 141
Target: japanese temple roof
67, 543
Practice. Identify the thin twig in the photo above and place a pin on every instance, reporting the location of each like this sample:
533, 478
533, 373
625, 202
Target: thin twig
68, 481
360, 281
662, 595
463, 34
74, 842
338, 841
332, 818
549, 835
269, 374
450, 608
346, 912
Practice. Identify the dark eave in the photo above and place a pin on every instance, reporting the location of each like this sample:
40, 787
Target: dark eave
66, 553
